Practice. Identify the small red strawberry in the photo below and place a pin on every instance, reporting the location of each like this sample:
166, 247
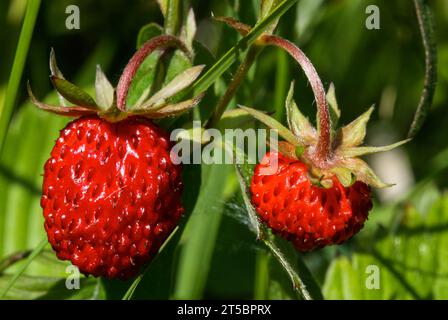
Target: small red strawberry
111, 192
314, 190
309, 215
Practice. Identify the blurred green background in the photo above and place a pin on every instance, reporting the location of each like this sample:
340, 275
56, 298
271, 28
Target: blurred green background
218, 256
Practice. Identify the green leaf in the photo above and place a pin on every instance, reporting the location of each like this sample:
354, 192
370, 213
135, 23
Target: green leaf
155, 71
142, 83
147, 32
409, 261
72, 93
16, 276
51, 288
176, 65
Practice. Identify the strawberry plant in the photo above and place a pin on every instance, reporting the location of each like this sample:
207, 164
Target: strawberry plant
96, 204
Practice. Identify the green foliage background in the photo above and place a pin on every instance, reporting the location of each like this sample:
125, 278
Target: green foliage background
217, 256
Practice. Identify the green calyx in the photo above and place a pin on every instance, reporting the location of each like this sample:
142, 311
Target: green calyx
346, 144
110, 103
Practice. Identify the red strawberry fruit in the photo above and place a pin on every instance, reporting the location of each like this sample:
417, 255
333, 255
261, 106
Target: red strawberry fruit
314, 190
111, 192
308, 215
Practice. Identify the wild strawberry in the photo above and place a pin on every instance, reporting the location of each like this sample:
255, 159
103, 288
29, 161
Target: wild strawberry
111, 192
313, 190
308, 215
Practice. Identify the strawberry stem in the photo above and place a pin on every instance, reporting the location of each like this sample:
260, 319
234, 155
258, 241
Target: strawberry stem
323, 150
234, 85
426, 26
164, 41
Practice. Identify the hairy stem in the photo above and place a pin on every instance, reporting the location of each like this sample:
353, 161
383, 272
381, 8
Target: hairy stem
160, 42
426, 25
215, 71
323, 150
234, 85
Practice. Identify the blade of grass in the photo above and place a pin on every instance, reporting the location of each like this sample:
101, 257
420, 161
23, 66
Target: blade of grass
281, 84
199, 238
261, 275
234, 85
22, 269
173, 17
232, 55
17, 68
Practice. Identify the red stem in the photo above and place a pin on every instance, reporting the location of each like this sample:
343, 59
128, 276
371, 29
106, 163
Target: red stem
323, 149
242, 28
164, 41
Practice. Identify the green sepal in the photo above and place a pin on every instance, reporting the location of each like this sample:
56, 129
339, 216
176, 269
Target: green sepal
364, 173
73, 93
335, 112
361, 151
55, 71
344, 175
271, 123
74, 111
180, 82
299, 124
104, 90
299, 150
353, 134
172, 110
